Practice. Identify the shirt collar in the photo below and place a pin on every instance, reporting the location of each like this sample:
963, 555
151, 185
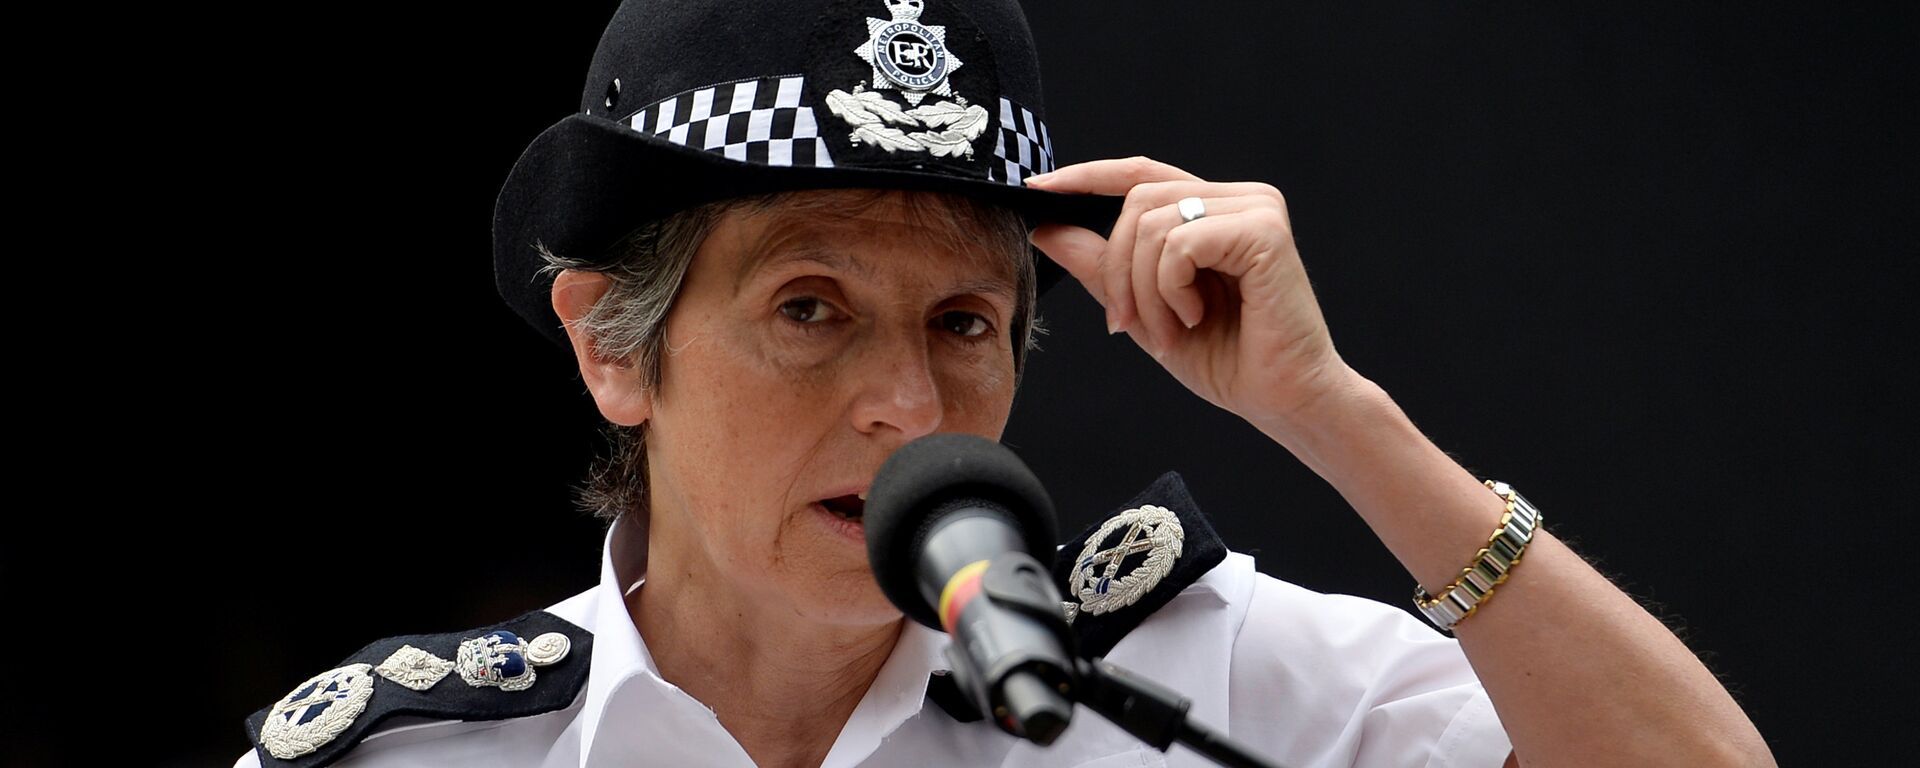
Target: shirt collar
619, 654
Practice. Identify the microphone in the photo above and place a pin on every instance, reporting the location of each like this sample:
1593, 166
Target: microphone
953, 522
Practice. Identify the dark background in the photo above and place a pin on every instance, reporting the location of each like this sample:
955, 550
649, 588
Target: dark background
1648, 264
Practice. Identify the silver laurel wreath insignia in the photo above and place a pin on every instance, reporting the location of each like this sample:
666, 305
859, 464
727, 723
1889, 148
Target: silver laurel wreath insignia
316, 711
1097, 581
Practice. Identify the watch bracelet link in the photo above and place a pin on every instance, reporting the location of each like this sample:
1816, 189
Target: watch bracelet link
1490, 566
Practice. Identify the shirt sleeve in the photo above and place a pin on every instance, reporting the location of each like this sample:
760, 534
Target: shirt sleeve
1335, 680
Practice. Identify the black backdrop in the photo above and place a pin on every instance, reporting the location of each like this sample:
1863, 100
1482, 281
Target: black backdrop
1642, 263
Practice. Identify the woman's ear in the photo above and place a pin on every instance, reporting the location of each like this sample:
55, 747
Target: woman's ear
616, 386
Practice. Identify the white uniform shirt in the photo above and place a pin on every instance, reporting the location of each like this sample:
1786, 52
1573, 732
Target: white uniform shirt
1307, 679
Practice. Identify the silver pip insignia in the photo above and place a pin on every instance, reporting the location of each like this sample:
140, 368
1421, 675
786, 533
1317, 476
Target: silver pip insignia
414, 668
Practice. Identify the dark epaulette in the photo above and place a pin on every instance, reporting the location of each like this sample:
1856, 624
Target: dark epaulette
525, 666
1117, 573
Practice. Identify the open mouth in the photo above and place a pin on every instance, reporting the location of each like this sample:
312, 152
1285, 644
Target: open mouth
848, 507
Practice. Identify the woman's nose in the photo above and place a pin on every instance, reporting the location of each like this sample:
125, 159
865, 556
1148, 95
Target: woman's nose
898, 391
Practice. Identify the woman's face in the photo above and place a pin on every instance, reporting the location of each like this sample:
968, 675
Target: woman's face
801, 351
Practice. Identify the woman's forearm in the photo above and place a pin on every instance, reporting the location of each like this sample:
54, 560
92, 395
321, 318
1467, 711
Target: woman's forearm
1578, 672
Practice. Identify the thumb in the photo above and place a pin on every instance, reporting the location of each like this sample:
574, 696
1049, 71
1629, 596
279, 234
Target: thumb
1077, 249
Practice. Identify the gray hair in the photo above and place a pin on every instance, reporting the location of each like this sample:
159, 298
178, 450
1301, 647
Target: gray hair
647, 267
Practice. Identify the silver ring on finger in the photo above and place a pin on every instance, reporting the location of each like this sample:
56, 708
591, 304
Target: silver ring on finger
1192, 209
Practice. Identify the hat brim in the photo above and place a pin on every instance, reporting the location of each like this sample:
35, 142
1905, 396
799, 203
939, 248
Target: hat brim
585, 182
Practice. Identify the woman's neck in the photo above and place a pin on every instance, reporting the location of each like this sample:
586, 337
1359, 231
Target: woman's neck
784, 687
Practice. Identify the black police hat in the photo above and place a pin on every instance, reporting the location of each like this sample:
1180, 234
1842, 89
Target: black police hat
692, 101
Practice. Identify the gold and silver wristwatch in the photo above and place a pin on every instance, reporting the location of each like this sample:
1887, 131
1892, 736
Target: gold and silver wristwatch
1490, 566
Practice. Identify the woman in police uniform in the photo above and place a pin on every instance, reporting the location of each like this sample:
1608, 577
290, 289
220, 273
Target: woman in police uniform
783, 240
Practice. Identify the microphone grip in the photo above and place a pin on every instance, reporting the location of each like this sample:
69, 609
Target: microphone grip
1038, 709
999, 607
973, 533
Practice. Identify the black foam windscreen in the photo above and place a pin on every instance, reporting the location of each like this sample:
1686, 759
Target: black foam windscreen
921, 480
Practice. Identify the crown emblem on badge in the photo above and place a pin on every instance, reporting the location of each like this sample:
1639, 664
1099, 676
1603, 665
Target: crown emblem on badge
504, 660
912, 58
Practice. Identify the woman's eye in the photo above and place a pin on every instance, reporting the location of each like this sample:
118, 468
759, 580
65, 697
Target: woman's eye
964, 323
804, 310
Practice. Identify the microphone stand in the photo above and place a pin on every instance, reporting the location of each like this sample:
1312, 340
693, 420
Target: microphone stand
1031, 696
1155, 714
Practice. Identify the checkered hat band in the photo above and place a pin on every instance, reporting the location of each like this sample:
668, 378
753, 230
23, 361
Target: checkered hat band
756, 121
1023, 146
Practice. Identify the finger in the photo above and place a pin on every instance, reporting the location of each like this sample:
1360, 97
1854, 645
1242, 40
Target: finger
1231, 244
1075, 249
1176, 276
1116, 268
1152, 316
1117, 264
1108, 177
1149, 195
1162, 277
